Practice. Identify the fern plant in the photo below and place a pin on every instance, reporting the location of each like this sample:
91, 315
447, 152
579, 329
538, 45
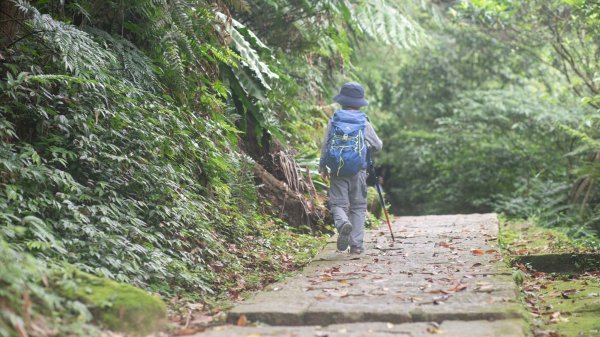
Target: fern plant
385, 22
76, 50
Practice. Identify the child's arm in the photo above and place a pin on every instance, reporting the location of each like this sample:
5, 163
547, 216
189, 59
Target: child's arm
372, 139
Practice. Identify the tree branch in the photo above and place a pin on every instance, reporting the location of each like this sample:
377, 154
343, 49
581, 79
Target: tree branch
34, 32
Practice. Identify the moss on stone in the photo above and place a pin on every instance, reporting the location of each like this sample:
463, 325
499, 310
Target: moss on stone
577, 301
521, 237
118, 306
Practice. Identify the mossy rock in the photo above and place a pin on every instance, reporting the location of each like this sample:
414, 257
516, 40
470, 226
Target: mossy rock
119, 306
577, 301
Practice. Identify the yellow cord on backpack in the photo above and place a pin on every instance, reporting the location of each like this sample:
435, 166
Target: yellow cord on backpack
358, 146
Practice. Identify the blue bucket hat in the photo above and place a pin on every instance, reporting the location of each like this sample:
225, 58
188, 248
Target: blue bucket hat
351, 94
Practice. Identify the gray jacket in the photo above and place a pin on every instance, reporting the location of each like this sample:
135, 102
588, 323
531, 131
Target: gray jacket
373, 142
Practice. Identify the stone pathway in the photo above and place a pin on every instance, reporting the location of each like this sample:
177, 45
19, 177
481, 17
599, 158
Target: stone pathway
444, 275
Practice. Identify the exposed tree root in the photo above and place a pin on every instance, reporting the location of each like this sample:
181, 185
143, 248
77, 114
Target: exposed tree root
303, 211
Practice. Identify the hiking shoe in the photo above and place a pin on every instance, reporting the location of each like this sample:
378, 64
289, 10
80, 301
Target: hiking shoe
356, 250
344, 236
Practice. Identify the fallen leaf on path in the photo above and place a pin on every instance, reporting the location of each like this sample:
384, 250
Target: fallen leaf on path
455, 289
242, 321
477, 252
491, 251
458, 287
443, 244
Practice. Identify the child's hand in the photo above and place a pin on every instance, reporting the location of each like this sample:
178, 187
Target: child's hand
325, 175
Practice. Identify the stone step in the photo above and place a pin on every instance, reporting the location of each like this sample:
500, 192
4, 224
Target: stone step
504, 328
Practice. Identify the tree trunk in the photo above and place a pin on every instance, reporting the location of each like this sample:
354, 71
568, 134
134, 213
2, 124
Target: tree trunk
9, 23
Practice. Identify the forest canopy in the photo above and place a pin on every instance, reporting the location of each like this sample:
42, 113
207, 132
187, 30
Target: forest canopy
497, 111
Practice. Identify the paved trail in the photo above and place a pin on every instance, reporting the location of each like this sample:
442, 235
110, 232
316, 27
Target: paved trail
442, 276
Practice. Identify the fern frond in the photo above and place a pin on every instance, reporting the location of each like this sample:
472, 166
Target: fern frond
381, 20
246, 49
131, 63
78, 53
589, 142
179, 12
172, 57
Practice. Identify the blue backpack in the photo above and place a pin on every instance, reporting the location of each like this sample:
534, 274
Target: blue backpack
347, 148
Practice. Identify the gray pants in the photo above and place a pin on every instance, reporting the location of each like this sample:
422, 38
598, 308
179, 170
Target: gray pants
348, 203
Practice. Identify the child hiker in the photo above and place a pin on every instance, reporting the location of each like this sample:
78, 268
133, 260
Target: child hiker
348, 137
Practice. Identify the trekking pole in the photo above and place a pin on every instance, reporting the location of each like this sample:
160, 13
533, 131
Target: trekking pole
372, 169
387, 218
